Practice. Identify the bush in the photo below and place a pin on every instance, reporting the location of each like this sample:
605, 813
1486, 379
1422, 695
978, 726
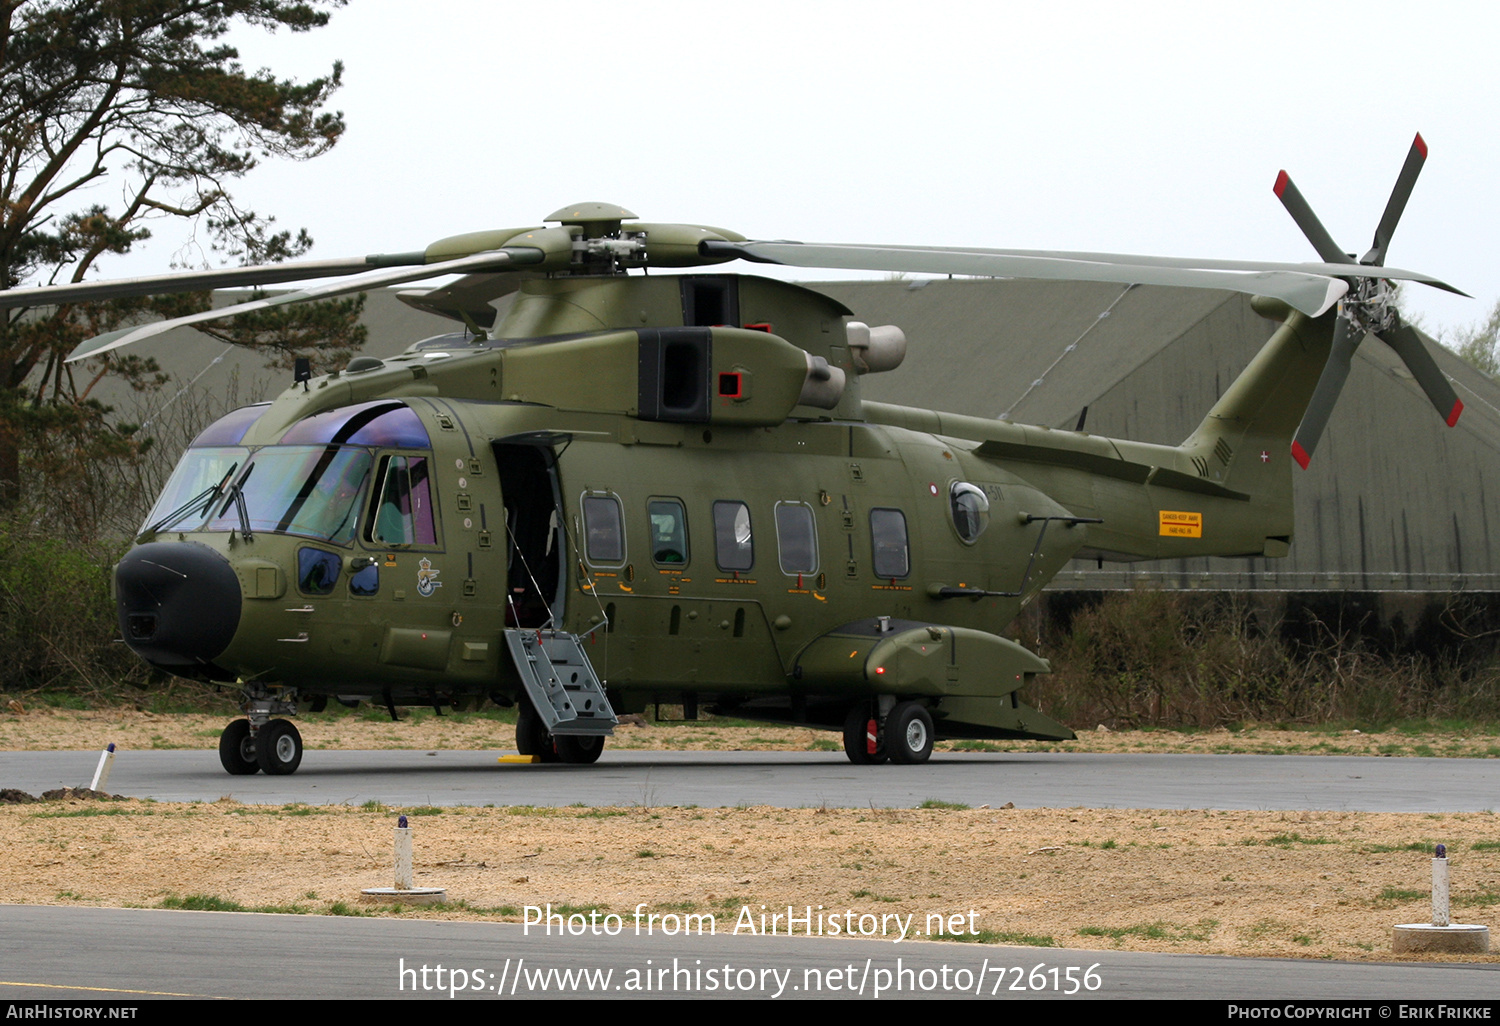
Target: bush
57, 621
1180, 659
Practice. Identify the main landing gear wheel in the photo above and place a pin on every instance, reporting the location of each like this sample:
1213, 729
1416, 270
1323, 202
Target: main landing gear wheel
237, 749
579, 749
908, 733
278, 747
532, 737
856, 743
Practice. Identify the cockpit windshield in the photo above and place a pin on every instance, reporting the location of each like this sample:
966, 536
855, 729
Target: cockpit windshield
309, 485
307, 490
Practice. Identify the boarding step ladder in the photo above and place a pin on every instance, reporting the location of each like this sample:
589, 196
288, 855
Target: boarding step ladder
561, 682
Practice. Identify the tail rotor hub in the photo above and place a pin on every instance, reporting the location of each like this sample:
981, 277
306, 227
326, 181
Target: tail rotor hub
1370, 306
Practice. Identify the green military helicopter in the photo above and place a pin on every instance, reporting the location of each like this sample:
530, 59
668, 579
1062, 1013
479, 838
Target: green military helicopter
638, 488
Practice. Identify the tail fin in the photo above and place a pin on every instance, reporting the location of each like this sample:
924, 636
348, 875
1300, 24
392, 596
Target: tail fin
1245, 441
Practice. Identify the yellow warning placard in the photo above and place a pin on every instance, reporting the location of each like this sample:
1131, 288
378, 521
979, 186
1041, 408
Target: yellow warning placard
1177, 524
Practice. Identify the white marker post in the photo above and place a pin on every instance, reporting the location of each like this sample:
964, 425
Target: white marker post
403, 856
1442, 934
106, 763
1440, 887
404, 893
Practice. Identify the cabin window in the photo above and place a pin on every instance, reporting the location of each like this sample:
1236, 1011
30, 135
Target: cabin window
669, 541
796, 538
317, 571
888, 537
970, 508
734, 545
403, 511
604, 528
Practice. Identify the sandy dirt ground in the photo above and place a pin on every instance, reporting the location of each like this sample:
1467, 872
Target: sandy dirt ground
1305, 884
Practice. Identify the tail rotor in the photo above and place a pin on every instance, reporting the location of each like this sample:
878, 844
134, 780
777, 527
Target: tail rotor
1367, 309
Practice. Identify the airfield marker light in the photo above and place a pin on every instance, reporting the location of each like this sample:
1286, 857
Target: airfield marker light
1442, 934
403, 892
106, 763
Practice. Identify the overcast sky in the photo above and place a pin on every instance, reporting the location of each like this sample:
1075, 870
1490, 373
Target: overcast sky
1132, 127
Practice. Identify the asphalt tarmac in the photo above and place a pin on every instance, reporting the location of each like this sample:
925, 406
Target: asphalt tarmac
136, 955
796, 779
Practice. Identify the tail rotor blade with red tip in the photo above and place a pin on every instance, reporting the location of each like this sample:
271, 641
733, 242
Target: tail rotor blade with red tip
1415, 158
1302, 213
1413, 352
1330, 384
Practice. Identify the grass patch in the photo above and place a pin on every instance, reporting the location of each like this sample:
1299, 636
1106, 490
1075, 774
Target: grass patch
1482, 898
343, 908
1159, 930
85, 813
1287, 840
1028, 940
938, 803
201, 903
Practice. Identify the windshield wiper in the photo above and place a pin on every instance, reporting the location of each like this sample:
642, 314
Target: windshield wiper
203, 501
237, 496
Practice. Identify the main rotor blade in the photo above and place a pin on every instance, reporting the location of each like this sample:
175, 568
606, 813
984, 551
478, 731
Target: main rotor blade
1302, 213
1415, 158
1310, 293
468, 298
200, 281
1343, 269
1326, 394
493, 261
1413, 352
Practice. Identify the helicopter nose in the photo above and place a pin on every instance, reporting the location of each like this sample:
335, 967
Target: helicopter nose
178, 603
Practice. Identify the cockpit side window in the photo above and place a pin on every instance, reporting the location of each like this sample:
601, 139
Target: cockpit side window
403, 506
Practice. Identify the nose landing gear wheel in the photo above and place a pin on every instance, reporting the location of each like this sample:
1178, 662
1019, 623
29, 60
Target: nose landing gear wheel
278, 747
237, 749
908, 733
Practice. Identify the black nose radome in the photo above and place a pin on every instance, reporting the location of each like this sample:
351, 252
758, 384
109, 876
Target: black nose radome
178, 604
